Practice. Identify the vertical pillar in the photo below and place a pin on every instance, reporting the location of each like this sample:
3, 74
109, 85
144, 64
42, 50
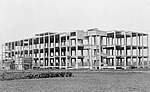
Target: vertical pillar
142, 51
66, 54
95, 40
19, 46
16, 51
76, 51
96, 50
112, 41
1, 62
49, 52
148, 51
125, 50
90, 54
28, 47
23, 53
39, 52
121, 45
131, 49
54, 51
32, 53
139, 50
60, 52
11, 50
29, 51
109, 41
139, 40
106, 49
120, 41
137, 53
117, 43
4, 58
48, 61
88, 51
69, 51
100, 52
114, 49
5, 52
13, 45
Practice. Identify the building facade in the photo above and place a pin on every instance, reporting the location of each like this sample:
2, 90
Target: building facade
93, 49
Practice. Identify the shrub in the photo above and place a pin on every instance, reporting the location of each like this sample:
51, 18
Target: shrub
33, 75
132, 67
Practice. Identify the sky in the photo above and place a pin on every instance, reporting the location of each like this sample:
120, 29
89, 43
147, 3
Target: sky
21, 19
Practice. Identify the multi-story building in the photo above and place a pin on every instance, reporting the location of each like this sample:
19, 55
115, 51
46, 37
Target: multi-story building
94, 49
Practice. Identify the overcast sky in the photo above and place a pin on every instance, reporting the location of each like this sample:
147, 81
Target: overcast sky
23, 18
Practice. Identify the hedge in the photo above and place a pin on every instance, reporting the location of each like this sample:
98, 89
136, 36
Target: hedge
32, 75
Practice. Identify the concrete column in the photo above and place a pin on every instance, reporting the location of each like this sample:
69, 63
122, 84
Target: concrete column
18, 50
69, 52
108, 41
115, 49
120, 41
6, 53
131, 49
13, 50
139, 41
100, 53
125, 49
121, 49
139, 50
49, 64
95, 40
23, 54
60, 52
28, 48
54, 52
142, 52
32, 52
49, 50
23, 50
91, 60
137, 53
112, 43
76, 51
117, 43
96, 54
106, 45
66, 54
2, 59
39, 52
148, 51
10, 50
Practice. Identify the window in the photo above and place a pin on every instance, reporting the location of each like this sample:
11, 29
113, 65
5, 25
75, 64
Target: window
73, 34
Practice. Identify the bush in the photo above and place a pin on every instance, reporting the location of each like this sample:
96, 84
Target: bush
33, 75
132, 67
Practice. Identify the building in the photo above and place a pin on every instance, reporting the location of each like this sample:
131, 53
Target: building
93, 49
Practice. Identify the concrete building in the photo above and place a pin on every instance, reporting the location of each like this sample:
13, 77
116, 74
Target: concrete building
93, 49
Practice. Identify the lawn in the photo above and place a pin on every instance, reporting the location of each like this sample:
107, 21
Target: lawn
87, 81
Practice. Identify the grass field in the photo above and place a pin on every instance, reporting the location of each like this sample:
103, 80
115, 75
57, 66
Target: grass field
87, 81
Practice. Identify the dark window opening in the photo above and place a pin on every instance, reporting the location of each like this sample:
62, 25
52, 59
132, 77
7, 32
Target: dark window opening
73, 34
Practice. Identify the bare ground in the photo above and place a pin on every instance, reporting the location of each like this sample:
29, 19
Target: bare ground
87, 81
